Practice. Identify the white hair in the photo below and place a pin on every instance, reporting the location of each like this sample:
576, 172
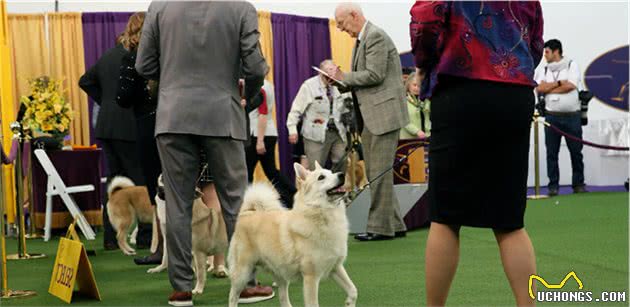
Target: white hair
349, 7
326, 62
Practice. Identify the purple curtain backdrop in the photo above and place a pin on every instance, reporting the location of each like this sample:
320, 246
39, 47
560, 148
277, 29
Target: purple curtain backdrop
298, 43
100, 31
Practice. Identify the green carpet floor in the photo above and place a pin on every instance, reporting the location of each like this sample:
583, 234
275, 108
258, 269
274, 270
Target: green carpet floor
587, 234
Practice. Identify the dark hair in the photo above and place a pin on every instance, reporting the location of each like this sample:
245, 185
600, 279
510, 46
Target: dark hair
554, 45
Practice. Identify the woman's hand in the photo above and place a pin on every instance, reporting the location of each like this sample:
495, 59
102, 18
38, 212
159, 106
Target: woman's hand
260, 147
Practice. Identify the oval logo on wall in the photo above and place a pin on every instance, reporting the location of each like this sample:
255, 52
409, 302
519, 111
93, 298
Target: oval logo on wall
607, 78
414, 168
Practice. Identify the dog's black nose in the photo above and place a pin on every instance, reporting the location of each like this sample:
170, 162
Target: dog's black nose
342, 177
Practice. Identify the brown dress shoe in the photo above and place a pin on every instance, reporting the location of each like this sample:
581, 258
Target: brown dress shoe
180, 299
256, 294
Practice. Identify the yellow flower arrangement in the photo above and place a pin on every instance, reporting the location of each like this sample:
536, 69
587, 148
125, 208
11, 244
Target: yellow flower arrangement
47, 110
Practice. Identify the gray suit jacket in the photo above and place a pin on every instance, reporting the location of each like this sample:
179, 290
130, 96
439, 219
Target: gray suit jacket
376, 79
198, 50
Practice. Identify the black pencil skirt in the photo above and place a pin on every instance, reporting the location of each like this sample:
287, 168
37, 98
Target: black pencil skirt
478, 159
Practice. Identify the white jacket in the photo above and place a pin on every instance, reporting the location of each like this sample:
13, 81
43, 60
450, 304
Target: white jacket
312, 102
560, 71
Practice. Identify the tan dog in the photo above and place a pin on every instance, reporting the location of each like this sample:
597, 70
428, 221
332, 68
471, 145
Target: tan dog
209, 235
309, 241
127, 204
360, 179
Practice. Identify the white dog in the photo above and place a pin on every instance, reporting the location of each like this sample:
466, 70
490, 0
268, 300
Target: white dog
209, 235
310, 241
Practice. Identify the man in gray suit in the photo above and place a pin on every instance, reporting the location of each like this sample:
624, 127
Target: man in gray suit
198, 50
378, 92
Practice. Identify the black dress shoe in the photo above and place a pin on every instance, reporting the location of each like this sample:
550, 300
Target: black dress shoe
400, 234
580, 189
150, 259
372, 237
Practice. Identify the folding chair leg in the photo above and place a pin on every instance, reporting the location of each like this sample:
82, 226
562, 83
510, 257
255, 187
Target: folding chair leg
48, 224
76, 212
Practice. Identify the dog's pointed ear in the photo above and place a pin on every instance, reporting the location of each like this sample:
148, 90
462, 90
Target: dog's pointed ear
300, 172
317, 166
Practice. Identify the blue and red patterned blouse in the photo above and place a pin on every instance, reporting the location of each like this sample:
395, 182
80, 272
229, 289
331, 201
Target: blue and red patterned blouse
495, 41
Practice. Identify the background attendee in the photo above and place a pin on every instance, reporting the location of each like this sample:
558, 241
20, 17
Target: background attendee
140, 93
321, 105
116, 129
558, 83
263, 146
200, 109
480, 78
380, 107
419, 126
406, 71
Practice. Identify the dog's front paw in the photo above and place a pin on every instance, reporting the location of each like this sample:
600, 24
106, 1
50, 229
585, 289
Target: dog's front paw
220, 272
156, 269
197, 291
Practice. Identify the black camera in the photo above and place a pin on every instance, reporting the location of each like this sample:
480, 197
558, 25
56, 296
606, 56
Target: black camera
540, 106
347, 119
584, 97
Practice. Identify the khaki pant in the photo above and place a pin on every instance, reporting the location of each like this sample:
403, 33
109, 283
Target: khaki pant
333, 147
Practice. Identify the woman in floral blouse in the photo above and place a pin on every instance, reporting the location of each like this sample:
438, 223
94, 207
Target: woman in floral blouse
479, 58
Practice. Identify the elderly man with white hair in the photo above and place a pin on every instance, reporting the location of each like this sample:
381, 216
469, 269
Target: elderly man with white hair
379, 101
321, 106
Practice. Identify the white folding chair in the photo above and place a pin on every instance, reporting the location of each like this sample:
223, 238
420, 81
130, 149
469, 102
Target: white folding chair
56, 186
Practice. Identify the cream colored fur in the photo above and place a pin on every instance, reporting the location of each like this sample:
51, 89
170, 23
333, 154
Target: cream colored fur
308, 242
127, 204
209, 237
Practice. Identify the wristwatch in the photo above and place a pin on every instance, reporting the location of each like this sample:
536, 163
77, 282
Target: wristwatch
559, 83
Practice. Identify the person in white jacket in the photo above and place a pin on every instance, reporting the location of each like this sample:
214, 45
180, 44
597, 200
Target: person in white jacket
321, 105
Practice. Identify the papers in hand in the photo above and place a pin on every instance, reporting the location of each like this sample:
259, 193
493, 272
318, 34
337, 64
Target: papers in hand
328, 76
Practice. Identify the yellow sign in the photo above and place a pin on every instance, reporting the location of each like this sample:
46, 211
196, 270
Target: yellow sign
72, 266
552, 286
72, 232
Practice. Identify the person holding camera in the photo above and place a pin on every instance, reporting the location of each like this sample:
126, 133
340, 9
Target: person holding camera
558, 92
323, 130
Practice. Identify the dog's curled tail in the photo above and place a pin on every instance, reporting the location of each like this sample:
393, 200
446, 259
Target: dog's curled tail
118, 183
260, 197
